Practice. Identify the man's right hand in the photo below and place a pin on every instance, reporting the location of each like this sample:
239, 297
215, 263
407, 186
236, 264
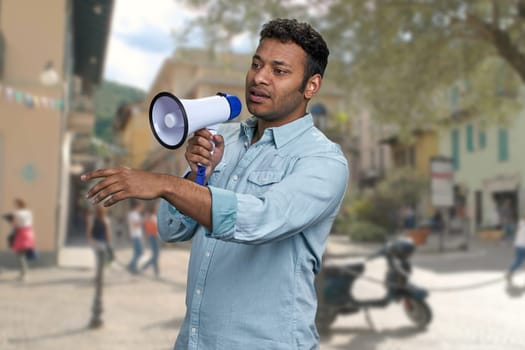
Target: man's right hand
206, 149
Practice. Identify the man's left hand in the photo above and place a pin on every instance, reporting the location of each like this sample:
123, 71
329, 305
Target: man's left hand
122, 183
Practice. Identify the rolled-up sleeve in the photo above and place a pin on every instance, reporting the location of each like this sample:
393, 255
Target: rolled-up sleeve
174, 226
310, 194
224, 212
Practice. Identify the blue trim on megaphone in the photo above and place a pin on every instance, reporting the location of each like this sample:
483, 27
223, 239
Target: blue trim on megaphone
235, 105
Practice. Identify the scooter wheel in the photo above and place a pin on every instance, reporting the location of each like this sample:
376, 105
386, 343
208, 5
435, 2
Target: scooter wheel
418, 311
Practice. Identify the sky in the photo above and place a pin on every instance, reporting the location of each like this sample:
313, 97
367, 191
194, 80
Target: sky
140, 39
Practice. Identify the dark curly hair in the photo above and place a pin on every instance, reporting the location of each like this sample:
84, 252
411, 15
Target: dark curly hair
303, 35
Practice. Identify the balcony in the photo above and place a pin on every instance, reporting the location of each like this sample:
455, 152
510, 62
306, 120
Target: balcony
81, 123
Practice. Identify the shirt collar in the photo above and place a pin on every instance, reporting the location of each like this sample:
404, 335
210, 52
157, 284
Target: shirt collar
279, 135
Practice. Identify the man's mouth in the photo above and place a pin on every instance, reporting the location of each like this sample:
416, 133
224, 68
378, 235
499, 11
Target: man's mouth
258, 96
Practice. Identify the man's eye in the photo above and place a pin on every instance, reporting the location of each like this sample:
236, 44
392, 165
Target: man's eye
279, 71
256, 65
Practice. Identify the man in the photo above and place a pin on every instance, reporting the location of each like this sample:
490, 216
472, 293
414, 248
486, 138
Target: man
260, 227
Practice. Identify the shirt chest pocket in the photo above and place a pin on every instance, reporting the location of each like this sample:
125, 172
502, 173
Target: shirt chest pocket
261, 181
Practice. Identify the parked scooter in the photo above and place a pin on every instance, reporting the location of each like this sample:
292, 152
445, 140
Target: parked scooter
338, 282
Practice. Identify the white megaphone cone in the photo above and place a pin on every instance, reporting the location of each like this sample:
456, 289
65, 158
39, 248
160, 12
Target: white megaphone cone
173, 119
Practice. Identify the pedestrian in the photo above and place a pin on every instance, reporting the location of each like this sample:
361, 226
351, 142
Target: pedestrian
260, 226
24, 239
506, 220
519, 249
99, 236
152, 236
136, 234
409, 217
10, 218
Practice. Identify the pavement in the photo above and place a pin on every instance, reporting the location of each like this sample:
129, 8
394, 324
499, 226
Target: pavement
473, 306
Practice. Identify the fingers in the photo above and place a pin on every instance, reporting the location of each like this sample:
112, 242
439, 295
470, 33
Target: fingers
200, 148
94, 191
109, 187
100, 173
116, 197
106, 192
204, 133
218, 141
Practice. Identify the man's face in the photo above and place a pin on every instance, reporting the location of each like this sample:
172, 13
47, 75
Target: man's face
274, 81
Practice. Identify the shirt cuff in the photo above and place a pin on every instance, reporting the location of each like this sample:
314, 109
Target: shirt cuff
223, 213
172, 216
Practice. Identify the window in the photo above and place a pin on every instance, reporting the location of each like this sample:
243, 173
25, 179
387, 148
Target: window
503, 145
412, 156
470, 137
454, 138
482, 139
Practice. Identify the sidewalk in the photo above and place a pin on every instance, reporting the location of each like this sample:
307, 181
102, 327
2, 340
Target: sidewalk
477, 256
53, 308
342, 246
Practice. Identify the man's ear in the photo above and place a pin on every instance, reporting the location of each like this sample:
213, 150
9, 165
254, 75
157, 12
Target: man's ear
312, 86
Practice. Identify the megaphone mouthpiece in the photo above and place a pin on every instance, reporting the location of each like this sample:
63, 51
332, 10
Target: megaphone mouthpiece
235, 105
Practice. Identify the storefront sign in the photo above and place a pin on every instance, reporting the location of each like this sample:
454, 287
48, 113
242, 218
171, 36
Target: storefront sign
441, 182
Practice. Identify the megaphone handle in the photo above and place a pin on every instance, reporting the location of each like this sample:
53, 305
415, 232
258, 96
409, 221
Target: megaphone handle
201, 169
201, 175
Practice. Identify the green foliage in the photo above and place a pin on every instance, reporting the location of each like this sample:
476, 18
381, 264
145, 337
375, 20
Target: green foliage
364, 231
103, 129
108, 97
381, 205
400, 59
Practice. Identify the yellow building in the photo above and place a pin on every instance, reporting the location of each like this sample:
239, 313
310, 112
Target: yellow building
51, 56
416, 153
131, 131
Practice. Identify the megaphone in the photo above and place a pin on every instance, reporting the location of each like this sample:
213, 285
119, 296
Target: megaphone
172, 119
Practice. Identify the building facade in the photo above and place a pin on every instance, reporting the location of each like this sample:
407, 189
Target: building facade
51, 56
488, 167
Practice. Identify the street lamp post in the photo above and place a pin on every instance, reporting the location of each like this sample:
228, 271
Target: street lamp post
97, 308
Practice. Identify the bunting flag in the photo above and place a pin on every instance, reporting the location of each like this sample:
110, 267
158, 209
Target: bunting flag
28, 99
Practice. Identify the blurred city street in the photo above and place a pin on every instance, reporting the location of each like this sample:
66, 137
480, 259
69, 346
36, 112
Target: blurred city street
424, 99
473, 306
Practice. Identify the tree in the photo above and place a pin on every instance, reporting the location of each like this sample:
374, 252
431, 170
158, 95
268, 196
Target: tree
409, 62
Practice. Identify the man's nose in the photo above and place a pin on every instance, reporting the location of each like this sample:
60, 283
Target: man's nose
261, 76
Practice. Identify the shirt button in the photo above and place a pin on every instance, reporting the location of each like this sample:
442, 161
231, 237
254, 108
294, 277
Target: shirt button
198, 291
207, 254
235, 177
194, 330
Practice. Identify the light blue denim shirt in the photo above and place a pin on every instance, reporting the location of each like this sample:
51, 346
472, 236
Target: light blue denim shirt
251, 279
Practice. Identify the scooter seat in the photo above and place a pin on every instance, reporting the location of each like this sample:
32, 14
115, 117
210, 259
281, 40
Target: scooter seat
354, 269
